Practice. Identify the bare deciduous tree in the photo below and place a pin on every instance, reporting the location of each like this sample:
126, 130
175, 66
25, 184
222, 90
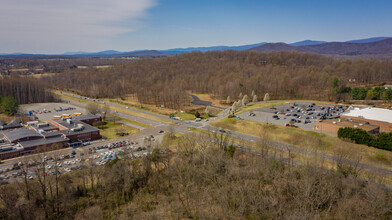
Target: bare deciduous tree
228, 100
254, 99
266, 97
245, 100
92, 108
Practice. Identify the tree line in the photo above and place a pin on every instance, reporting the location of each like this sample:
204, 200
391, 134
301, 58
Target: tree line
24, 90
204, 178
360, 136
284, 75
369, 93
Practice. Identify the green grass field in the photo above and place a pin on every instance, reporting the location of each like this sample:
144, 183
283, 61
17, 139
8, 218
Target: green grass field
250, 107
191, 116
131, 121
108, 129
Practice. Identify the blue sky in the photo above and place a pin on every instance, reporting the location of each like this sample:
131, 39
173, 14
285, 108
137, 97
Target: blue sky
47, 26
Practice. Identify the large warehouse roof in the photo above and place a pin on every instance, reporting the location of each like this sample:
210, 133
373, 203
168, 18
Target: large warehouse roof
42, 141
20, 133
378, 114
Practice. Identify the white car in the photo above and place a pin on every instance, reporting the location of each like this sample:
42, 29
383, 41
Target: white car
67, 170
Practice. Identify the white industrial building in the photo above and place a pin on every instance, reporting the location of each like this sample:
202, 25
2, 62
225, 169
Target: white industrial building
377, 114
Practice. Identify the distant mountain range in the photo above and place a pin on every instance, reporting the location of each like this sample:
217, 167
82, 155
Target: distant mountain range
375, 45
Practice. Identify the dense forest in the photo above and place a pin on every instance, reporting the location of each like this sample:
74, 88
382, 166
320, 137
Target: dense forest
284, 75
201, 179
24, 89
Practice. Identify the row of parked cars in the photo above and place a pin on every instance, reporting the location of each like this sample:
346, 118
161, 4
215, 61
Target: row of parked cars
112, 145
307, 112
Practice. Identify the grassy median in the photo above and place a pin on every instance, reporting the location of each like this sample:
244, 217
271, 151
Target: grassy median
318, 142
122, 110
113, 130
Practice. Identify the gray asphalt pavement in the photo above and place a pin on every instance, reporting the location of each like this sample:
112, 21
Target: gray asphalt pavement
196, 101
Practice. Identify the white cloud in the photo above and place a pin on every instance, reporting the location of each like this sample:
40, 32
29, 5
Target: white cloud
65, 25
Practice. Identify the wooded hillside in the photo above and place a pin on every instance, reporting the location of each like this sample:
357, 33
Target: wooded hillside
200, 180
283, 75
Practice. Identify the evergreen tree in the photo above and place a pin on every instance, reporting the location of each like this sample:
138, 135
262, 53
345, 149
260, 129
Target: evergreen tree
8, 105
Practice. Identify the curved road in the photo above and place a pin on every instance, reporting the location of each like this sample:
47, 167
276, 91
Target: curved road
197, 101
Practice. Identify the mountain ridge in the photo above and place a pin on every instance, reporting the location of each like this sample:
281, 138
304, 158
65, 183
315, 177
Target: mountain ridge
308, 46
381, 47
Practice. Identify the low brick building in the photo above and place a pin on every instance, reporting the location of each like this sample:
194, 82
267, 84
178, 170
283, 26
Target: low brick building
333, 125
41, 137
76, 130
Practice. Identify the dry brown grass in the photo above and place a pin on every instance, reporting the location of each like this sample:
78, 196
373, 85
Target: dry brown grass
126, 111
311, 140
131, 101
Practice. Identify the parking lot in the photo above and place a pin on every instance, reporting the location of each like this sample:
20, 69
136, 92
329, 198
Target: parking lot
303, 115
96, 154
45, 111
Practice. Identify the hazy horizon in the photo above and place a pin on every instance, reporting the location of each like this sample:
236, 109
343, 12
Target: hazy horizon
43, 26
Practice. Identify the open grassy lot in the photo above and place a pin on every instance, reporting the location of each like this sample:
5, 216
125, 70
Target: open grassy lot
191, 116
131, 121
315, 141
250, 107
132, 102
110, 129
315, 160
126, 111
172, 140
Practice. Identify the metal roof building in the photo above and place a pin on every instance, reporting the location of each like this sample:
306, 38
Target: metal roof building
378, 114
20, 134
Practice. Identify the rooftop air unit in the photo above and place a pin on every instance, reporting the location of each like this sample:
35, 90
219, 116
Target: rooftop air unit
43, 125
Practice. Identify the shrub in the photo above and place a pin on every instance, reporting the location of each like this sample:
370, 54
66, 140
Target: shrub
360, 136
197, 114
